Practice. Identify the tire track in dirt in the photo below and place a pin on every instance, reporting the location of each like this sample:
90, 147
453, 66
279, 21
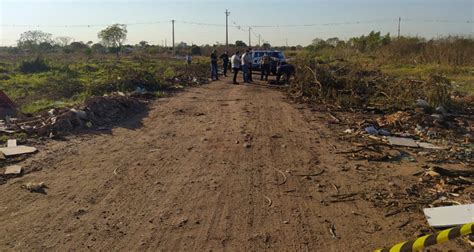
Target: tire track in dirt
183, 183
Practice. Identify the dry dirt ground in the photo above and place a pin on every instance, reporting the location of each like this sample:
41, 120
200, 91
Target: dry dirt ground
218, 167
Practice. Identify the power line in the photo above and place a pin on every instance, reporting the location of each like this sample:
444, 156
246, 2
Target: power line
240, 26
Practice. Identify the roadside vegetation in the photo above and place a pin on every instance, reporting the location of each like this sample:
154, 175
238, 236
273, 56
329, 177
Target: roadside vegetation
376, 70
42, 72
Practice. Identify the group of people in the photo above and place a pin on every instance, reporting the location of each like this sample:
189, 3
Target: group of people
243, 62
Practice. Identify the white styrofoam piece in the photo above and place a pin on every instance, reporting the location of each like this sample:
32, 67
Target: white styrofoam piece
449, 216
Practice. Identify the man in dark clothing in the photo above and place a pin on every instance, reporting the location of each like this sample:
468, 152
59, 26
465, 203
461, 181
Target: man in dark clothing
285, 69
213, 57
250, 66
225, 62
265, 66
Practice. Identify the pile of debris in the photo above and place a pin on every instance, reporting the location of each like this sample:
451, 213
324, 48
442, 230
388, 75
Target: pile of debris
435, 134
95, 112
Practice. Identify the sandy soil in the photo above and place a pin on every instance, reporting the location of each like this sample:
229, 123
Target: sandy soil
219, 167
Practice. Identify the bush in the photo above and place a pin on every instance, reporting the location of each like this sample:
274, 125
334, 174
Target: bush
33, 66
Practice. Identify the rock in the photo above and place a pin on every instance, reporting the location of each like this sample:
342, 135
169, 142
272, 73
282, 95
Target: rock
422, 104
247, 145
441, 110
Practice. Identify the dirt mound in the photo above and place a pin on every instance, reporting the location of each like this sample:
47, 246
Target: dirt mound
95, 112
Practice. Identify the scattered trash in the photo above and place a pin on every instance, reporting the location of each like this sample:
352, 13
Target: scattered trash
430, 146
371, 130
17, 150
13, 170
449, 216
401, 141
11, 143
35, 187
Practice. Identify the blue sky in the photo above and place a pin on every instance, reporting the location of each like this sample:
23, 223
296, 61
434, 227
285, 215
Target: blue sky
45, 13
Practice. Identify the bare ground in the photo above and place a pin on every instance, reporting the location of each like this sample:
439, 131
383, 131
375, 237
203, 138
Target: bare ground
180, 178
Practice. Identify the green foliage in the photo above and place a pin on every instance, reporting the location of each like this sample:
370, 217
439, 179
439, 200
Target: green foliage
240, 43
33, 66
113, 36
196, 50
32, 39
370, 42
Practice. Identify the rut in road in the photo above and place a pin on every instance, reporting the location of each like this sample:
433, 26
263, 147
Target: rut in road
181, 179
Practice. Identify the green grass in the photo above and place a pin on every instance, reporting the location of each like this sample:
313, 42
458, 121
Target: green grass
72, 80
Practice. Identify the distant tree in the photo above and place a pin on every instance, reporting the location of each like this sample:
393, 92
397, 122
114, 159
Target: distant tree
78, 46
332, 41
182, 45
45, 46
63, 41
32, 39
90, 43
98, 48
113, 37
266, 46
143, 44
240, 43
196, 50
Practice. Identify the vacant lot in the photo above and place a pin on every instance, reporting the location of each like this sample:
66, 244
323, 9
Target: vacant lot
214, 168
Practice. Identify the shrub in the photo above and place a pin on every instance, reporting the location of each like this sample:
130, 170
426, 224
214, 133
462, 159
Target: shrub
33, 66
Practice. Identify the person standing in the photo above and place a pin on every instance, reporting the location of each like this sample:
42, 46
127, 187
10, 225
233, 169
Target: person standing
246, 62
250, 66
214, 65
189, 59
265, 66
236, 64
225, 62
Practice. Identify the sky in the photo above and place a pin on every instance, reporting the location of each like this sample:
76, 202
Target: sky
310, 19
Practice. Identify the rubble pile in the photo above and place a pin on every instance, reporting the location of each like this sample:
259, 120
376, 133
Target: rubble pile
94, 112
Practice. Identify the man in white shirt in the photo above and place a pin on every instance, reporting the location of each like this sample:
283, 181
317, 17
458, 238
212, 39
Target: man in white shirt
236, 64
246, 64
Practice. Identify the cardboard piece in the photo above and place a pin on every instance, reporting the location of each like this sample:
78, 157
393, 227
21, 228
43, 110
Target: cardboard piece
18, 150
449, 216
401, 141
11, 143
13, 170
430, 146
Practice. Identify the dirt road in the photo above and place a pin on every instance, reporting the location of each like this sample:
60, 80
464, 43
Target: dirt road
219, 167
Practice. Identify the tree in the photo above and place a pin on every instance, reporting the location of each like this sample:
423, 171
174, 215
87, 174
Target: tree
32, 39
114, 36
143, 44
240, 43
98, 48
78, 46
181, 45
332, 41
196, 50
266, 46
63, 41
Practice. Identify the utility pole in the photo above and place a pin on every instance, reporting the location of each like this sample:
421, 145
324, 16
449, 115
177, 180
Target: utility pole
227, 13
399, 21
250, 39
172, 22
259, 38
286, 42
